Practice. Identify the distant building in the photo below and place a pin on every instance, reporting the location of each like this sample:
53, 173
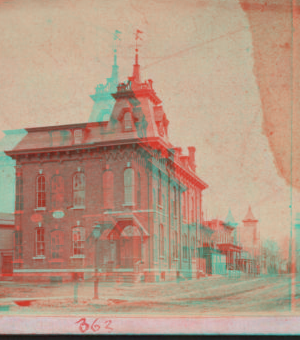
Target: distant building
6, 244
222, 242
248, 237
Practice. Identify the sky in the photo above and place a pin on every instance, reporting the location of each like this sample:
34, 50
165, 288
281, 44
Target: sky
200, 55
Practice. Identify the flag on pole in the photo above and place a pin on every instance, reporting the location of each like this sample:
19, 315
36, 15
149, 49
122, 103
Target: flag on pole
116, 35
137, 35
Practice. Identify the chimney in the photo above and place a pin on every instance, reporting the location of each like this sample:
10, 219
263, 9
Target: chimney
192, 151
178, 152
184, 160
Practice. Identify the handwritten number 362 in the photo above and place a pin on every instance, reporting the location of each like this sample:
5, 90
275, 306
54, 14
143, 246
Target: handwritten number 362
84, 326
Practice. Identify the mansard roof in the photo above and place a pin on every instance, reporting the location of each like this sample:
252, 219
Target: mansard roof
135, 100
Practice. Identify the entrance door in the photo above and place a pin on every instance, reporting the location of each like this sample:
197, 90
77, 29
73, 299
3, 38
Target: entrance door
130, 244
7, 265
126, 253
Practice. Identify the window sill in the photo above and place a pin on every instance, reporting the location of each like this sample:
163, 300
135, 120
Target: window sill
17, 212
77, 257
41, 257
128, 204
56, 261
162, 257
40, 209
78, 208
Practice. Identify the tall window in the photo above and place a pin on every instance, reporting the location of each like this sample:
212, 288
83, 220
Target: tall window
184, 205
79, 189
57, 242
159, 189
187, 204
108, 189
185, 248
193, 247
127, 121
155, 248
129, 185
139, 190
174, 202
161, 241
18, 246
57, 192
175, 245
192, 210
78, 238
40, 242
40, 192
19, 193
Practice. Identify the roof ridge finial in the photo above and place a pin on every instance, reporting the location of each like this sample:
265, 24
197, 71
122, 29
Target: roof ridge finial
136, 66
116, 37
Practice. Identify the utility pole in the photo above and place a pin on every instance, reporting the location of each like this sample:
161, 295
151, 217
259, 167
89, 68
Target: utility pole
96, 235
96, 281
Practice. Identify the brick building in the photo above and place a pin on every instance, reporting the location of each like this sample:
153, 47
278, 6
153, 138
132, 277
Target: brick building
112, 194
223, 252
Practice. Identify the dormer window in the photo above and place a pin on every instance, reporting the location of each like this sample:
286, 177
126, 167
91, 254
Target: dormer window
127, 121
77, 136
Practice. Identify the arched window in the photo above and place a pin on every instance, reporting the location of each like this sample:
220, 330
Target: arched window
39, 241
57, 192
127, 121
57, 243
78, 238
78, 190
193, 247
129, 186
40, 192
19, 193
108, 189
184, 245
106, 117
138, 190
161, 241
159, 189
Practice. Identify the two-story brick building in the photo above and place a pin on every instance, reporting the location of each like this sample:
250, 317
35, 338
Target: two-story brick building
123, 175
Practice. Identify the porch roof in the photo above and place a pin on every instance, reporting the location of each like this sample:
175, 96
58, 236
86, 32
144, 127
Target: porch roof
123, 221
229, 247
